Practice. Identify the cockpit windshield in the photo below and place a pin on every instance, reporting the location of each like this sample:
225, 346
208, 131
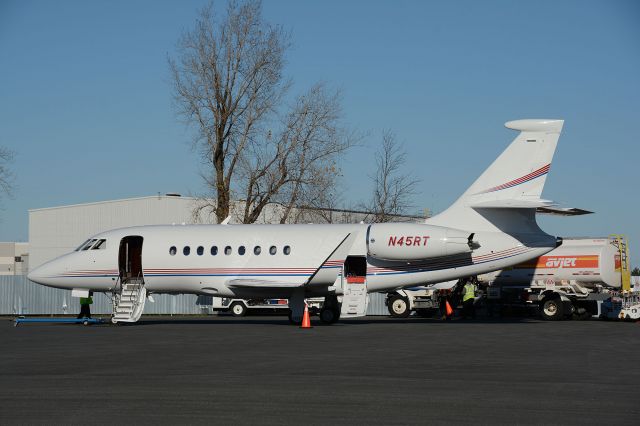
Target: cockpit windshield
82, 245
88, 245
93, 244
100, 245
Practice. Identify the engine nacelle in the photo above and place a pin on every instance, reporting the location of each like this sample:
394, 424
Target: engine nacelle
411, 241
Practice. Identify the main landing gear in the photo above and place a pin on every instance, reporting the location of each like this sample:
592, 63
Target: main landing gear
329, 314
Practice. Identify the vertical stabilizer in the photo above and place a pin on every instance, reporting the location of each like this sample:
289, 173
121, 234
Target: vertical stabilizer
506, 195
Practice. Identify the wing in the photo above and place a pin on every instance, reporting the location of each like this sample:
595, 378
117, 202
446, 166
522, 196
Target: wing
328, 271
325, 274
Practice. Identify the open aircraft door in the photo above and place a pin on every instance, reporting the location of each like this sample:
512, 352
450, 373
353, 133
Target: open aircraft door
355, 298
130, 258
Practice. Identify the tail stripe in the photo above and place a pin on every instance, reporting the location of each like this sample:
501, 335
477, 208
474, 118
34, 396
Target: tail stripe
533, 175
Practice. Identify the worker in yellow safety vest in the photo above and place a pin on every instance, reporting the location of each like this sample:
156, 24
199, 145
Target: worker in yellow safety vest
85, 306
468, 299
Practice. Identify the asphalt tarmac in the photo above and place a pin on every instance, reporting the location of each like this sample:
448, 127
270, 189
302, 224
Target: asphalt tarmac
261, 370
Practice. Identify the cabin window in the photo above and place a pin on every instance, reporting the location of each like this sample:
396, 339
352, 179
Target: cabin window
186, 250
227, 250
257, 250
200, 250
100, 245
241, 250
214, 250
173, 250
273, 250
286, 250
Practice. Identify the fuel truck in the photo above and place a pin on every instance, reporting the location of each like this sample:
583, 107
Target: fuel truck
571, 281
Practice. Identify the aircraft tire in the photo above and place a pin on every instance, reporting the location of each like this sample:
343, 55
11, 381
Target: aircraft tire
329, 316
238, 309
399, 307
552, 309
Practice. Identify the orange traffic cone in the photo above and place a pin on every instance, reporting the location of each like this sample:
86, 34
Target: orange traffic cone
306, 321
449, 309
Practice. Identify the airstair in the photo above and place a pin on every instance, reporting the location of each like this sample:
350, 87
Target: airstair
128, 300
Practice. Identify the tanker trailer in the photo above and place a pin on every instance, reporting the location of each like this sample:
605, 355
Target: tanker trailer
570, 280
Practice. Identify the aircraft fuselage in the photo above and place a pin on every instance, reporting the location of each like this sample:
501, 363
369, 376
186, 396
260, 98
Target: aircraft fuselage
251, 261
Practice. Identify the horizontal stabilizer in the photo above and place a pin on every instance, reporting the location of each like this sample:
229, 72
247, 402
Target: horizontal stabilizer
512, 204
260, 284
562, 211
541, 206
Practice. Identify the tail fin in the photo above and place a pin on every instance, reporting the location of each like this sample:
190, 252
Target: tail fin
506, 195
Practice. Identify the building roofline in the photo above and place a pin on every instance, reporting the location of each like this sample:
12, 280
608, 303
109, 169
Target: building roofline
158, 197
188, 198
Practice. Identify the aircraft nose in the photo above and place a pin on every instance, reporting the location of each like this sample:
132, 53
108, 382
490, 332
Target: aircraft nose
36, 275
46, 274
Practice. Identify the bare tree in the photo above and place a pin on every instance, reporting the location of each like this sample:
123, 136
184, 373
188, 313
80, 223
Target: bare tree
6, 176
393, 189
228, 85
298, 167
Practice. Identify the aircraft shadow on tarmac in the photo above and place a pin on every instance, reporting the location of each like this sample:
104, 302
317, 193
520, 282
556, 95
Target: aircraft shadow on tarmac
283, 321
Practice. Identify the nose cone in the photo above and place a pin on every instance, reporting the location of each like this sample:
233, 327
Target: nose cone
34, 276
39, 275
48, 274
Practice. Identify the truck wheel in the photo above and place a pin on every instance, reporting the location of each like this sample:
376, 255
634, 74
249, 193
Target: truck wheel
569, 310
399, 307
551, 309
329, 316
238, 309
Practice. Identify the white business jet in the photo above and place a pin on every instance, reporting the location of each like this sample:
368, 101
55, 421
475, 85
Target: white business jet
491, 226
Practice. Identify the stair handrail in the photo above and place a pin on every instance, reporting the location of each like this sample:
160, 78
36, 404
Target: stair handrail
116, 296
139, 286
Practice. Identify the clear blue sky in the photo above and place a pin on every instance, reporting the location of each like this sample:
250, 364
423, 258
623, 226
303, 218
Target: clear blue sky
85, 99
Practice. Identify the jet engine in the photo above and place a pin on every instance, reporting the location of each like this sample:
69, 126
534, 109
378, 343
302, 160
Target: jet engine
410, 241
